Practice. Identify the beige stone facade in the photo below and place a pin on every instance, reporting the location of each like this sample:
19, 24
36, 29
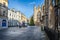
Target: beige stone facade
49, 10
37, 15
43, 16
19, 16
3, 13
4, 2
51, 17
23, 18
4, 8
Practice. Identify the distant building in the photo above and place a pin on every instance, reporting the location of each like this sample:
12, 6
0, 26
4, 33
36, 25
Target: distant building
23, 18
46, 12
51, 15
43, 16
3, 13
37, 15
19, 17
14, 17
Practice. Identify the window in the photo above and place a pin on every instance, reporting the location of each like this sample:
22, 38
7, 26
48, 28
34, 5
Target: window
58, 2
10, 14
3, 13
38, 15
4, 5
53, 3
0, 4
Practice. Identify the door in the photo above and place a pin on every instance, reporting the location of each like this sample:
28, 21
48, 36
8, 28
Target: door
3, 23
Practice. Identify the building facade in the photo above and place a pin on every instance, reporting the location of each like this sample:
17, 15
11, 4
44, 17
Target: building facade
37, 15
52, 18
49, 14
23, 18
46, 12
43, 16
57, 14
14, 17
3, 13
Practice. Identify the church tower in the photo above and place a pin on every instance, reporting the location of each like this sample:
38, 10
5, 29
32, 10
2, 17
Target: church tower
37, 15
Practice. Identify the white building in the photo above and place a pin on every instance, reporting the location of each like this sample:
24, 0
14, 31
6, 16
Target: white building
3, 14
14, 17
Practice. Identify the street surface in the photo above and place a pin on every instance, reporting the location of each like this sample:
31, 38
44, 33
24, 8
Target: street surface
27, 33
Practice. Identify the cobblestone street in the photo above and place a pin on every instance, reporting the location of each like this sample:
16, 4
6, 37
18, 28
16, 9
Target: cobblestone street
27, 33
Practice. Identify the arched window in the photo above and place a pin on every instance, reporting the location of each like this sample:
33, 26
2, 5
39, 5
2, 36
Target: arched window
39, 15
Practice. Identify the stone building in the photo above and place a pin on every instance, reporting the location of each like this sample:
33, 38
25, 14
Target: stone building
49, 13
37, 15
57, 13
23, 18
14, 17
43, 16
3, 13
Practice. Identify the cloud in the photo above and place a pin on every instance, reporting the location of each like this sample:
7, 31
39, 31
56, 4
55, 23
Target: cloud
32, 3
